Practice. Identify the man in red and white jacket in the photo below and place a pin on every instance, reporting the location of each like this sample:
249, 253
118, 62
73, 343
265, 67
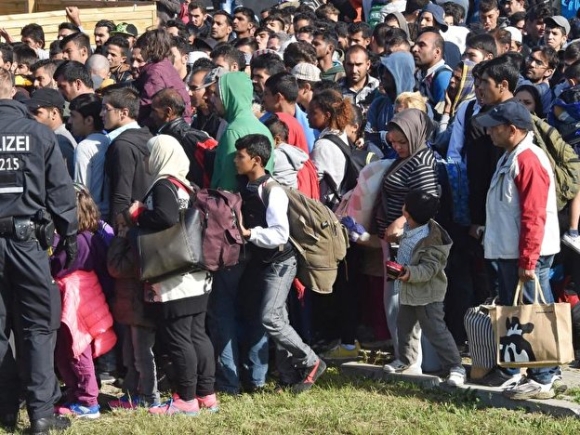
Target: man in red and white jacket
522, 232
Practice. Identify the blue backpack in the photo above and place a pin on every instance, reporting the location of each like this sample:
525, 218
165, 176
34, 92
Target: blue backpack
453, 180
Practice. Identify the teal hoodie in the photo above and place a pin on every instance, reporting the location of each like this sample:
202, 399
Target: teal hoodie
235, 90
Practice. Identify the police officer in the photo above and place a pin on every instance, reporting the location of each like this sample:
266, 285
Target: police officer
34, 187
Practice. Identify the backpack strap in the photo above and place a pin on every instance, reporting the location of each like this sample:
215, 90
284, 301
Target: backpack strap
192, 192
427, 89
346, 151
468, 115
266, 189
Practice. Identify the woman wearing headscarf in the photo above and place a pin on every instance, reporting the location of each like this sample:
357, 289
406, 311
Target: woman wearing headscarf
179, 303
414, 168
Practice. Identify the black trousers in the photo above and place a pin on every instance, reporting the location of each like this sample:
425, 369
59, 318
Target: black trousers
30, 307
191, 353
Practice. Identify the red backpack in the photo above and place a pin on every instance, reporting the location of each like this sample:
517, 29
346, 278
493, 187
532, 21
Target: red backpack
200, 149
308, 180
222, 240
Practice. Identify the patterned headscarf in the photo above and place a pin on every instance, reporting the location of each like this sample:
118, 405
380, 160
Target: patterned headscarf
466, 89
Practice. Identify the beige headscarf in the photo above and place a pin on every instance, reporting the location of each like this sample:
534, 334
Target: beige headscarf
167, 159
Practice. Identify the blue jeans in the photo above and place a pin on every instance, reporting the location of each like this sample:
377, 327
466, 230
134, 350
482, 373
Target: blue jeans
228, 332
507, 276
291, 352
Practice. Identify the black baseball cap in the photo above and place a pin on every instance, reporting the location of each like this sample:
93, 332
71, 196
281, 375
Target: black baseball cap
508, 113
126, 29
45, 97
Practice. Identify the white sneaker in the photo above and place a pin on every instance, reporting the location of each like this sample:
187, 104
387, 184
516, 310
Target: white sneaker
571, 242
397, 366
456, 376
530, 389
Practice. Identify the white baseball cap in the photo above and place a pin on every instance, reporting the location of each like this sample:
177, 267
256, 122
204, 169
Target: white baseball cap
516, 34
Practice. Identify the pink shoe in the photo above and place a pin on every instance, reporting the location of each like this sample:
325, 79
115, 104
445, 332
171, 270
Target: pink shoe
63, 410
176, 405
126, 402
209, 402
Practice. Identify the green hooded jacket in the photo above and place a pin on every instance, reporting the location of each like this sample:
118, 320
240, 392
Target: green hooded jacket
235, 90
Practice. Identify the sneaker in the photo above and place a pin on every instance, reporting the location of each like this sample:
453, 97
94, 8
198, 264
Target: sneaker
530, 389
340, 352
311, 374
176, 405
83, 411
456, 376
106, 378
397, 366
208, 402
497, 378
126, 401
571, 242
558, 385
63, 409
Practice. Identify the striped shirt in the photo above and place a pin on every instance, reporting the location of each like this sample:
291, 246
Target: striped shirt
407, 245
418, 172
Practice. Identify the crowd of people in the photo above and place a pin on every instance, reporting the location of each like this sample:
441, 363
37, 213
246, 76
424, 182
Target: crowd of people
457, 100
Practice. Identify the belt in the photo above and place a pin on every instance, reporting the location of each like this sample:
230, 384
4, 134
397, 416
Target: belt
21, 229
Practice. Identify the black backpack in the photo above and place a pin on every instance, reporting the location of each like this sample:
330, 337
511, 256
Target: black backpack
351, 170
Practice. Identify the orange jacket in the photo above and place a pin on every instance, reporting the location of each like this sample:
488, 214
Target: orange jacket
86, 313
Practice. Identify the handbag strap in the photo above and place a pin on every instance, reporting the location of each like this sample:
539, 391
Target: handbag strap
519, 293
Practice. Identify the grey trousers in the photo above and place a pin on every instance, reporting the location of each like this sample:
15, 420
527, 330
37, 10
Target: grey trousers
138, 358
428, 319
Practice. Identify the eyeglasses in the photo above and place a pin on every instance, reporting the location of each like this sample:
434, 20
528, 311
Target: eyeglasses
196, 88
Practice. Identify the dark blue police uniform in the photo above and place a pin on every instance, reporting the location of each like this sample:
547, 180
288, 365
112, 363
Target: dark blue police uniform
33, 181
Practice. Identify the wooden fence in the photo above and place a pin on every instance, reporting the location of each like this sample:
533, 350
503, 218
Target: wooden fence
50, 13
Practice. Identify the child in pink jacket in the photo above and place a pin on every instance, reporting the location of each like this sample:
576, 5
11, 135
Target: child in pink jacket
86, 330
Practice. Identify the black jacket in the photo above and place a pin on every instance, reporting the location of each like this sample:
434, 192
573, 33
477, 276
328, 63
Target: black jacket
33, 175
125, 168
482, 157
189, 138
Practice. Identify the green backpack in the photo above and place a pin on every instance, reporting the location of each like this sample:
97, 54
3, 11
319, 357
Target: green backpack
317, 235
563, 159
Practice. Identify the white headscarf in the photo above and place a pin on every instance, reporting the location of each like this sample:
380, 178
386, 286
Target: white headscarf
167, 159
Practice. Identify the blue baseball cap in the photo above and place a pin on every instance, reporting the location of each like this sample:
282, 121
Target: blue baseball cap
510, 112
438, 15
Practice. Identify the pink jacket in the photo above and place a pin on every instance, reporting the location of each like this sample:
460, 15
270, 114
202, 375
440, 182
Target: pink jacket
86, 313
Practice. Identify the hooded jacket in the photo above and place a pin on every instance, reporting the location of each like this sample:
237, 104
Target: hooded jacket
400, 19
289, 160
427, 282
402, 67
235, 90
